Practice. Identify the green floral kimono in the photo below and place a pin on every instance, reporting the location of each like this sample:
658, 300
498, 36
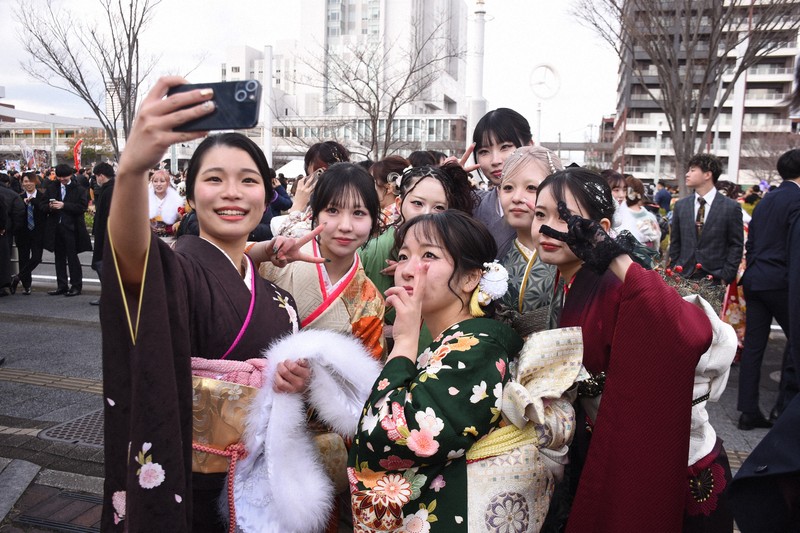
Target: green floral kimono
407, 466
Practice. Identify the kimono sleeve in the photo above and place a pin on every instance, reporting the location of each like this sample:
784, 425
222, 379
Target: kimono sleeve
435, 414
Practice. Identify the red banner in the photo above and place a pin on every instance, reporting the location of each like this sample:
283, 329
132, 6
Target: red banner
76, 153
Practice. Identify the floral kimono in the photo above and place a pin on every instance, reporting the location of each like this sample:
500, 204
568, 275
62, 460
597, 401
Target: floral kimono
407, 466
530, 288
353, 305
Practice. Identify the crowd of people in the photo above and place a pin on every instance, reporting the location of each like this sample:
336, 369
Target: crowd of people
392, 347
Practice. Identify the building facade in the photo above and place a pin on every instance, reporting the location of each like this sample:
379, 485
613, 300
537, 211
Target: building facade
754, 126
308, 99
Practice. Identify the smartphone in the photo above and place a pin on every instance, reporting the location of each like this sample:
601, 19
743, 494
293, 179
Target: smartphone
237, 106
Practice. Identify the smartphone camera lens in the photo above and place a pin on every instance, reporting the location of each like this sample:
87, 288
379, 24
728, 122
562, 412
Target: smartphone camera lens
240, 95
251, 86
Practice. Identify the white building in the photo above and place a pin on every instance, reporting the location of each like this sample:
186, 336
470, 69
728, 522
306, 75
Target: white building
306, 108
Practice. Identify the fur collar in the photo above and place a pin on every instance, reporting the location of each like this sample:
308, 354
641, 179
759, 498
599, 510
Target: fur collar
281, 485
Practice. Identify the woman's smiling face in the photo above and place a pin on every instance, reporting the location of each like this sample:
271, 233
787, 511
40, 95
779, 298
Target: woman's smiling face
229, 195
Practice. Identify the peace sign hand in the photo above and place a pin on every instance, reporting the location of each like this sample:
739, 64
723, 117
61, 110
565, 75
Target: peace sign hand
589, 241
284, 250
462, 161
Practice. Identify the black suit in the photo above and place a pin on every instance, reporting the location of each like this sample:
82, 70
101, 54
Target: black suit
765, 284
719, 249
66, 232
102, 205
30, 242
12, 222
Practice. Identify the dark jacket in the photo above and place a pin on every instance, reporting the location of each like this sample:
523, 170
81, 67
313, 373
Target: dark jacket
767, 252
76, 202
769, 478
719, 249
14, 210
102, 205
39, 203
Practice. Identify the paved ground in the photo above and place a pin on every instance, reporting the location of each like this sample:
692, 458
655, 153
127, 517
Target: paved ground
52, 376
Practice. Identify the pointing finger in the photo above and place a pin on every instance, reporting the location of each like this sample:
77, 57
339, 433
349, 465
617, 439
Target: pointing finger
420, 280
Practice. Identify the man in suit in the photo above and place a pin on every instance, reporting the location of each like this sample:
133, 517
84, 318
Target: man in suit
30, 239
13, 213
707, 227
66, 230
104, 174
765, 284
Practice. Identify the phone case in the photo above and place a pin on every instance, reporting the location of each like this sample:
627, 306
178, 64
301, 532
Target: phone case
237, 106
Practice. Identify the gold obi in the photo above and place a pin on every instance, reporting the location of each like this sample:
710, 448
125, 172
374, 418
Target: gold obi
219, 410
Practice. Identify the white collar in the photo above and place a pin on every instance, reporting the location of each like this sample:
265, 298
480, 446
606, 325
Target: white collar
708, 197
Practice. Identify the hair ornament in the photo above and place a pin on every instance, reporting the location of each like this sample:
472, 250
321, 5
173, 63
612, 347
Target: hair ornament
492, 286
633, 195
393, 179
550, 163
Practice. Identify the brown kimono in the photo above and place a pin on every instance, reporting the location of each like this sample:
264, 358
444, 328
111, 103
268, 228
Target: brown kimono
193, 302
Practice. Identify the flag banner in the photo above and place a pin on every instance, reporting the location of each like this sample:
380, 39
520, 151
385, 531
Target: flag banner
76, 153
27, 154
41, 159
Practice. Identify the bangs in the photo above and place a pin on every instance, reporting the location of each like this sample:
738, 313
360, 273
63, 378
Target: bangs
426, 231
497, 130
522, 166
424, 228
345, 197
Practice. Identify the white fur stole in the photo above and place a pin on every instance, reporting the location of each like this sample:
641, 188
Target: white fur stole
281, 486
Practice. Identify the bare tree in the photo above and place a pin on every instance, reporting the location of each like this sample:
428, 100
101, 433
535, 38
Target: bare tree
689, 45
95, 60
378, 79
760, 154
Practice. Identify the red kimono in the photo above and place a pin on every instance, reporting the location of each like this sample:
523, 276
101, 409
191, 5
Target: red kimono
647, 340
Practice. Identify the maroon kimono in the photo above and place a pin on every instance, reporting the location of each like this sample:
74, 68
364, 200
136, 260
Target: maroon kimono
193, 303
647, 340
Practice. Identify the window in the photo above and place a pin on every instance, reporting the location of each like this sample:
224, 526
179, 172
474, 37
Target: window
235, 70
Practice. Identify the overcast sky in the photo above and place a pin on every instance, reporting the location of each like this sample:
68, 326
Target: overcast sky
520, 34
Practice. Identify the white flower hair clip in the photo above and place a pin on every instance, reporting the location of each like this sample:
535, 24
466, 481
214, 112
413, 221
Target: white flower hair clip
492, 286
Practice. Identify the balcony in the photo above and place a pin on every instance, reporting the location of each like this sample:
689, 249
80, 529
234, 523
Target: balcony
774, 125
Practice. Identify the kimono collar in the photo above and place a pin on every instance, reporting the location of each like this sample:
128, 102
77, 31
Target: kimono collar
248, 274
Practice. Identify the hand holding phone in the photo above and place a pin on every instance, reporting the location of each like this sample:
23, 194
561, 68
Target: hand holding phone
237, 105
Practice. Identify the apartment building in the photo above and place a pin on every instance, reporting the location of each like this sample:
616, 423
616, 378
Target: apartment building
754, 125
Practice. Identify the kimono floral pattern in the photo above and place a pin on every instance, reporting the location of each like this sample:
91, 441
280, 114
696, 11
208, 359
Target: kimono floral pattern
151, 475
407, 469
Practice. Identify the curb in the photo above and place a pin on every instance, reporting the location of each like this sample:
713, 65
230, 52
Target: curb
14, 480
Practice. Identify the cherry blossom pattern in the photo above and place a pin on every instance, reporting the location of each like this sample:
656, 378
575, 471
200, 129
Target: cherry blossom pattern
151, 474
420, 522
118, 502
